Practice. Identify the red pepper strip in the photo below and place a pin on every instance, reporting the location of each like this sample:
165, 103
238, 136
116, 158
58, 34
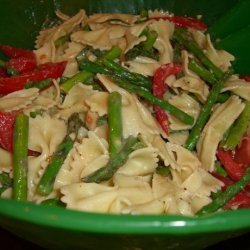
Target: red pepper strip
160, 87
246, 78
184, 22
240, 200
14, 52
21, 64
242, 152
44, 71
6, 129
3, 73
234, 169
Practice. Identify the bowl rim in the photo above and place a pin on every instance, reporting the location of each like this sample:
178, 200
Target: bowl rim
66, 219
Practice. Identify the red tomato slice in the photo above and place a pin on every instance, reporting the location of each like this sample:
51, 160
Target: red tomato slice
7, 121
242, 153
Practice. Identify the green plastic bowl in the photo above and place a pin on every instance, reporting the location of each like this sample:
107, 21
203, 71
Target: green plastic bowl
57, 228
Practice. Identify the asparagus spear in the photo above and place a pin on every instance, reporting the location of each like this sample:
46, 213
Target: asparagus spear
223, 197
122, 75
115, 162
84, 76
20, 157
156, 101
5, 181
117, 69
115, 122
46, 183
62, 40
40, 84
205, 113
145, 48
181, 36
201, 71
238, 129
53, 203
10, 71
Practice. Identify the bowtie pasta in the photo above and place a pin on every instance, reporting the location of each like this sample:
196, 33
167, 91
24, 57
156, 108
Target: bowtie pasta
125, 114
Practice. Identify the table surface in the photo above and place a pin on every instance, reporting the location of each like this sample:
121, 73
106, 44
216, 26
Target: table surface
15, 243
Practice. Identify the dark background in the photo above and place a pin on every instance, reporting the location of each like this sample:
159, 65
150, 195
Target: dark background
14, 243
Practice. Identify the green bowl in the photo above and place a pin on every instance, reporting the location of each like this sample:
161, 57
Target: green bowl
57, 228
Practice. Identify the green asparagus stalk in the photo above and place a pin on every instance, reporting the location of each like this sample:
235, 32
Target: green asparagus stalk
5, 181
46, 183
163, 170
205, 113
61, 40
115, 122
187, 119
151, 38
223, 97
40, 84
238, 129
84, 76
115, 162
125, 74
10, 71
201, 71
181, 36
145, 48
20, 157
53, 203
223, 197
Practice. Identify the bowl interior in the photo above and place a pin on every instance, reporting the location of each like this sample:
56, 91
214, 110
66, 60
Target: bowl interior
20, 22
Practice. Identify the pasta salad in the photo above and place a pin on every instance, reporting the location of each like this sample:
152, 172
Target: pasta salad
125, 114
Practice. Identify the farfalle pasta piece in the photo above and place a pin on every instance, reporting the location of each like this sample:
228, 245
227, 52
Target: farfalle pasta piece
158, 13
90, 153
18, 100
187, 104
46, 99
90, 197
45, 47
181, 158
157, 142
69, 55
178, 137
61, 15
220, 58
133, 35
140, 162
201, 183
123, 180
6, 161
142, 65
98, 102
151, 207
74, 102
136, 195
221, 119
193, 85
165, 30
102, 39
65, 28
238, 86
177, 199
